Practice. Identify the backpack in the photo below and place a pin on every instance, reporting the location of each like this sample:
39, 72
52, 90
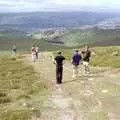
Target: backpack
33, 50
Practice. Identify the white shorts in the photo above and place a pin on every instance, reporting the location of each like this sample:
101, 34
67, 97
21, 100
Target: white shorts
85, 63
33, 56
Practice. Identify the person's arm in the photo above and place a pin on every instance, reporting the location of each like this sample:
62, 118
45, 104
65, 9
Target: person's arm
81, 59
90, 53
72, 59
54, 61
63, 58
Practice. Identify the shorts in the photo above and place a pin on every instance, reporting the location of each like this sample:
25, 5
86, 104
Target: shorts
85, 63
33, 56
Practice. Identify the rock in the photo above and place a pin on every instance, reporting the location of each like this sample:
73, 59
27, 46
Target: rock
93, 54
105, 91
115, 53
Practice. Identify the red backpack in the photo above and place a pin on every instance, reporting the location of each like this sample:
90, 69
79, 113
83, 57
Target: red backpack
33, 50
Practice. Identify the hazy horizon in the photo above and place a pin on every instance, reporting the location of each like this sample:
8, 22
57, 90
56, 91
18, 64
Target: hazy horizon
59, 5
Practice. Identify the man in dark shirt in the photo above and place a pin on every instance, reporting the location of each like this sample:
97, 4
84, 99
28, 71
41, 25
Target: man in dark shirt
76, 61
86, 58
59, 67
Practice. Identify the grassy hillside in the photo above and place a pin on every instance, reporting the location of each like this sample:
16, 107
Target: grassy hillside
57, 40
91, 36
74, 38
103, 57
20, 86
24, 43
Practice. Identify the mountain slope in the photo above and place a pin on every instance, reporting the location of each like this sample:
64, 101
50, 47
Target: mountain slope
91, 36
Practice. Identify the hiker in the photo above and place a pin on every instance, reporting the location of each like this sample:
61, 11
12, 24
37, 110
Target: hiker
37, 52
75, 62
59, 67
86, 58
14, 50
33, 51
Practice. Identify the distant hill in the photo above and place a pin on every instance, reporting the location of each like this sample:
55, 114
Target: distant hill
42, 20
23, 41
58, 30
93, 36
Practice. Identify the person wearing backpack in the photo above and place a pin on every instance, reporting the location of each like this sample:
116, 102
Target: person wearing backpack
75, 62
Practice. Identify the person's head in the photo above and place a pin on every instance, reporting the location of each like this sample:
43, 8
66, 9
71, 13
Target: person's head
86, 47
33, 46
76, 51
59, 52
14, 46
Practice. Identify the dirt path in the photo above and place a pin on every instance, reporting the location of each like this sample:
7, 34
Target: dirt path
76, 99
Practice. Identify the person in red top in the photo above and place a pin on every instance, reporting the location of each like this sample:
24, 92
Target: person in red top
33, 52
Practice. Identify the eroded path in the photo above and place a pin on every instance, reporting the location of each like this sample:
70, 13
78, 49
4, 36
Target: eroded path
88, 97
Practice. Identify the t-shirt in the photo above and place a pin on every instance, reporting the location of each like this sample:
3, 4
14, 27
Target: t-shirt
86, 55
14, 49
59, 60
33, 49
37, 49
76, 59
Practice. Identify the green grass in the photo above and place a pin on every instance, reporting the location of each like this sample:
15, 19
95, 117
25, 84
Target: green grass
102, 58
98, 105
91, 36
19, 84
72, 38
24, 43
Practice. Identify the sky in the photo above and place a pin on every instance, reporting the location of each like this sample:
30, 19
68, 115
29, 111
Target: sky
58, 5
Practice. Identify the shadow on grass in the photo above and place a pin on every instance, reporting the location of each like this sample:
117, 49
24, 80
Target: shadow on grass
83, 78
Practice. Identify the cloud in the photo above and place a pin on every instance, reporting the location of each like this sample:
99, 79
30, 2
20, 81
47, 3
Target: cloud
49, 5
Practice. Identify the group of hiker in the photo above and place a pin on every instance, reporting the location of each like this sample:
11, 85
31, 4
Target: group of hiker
77, 58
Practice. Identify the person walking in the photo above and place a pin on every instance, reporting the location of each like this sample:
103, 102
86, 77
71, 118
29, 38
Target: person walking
14, 50
59, 67
86, 58
75, 62
37, 52
33, 52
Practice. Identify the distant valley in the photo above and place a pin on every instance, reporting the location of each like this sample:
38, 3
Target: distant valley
58, 29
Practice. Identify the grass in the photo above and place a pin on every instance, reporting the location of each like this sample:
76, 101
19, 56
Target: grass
103, 57
19, 84
72, 38
91, 36
24, 43
89, 99
78, 89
